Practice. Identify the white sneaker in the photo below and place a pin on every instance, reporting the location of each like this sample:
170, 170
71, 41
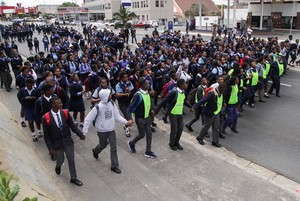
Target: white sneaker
34, 138
40, 134
127, 131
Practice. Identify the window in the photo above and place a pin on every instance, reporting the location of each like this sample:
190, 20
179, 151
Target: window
138, 4
142, 4
162, 3
157, 3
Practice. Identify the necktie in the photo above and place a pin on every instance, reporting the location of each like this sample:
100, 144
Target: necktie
59, 122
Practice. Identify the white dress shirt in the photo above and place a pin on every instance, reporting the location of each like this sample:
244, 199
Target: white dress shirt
55, 117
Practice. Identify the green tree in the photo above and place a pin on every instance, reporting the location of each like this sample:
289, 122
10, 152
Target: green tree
193, 11
124, 15
68, 4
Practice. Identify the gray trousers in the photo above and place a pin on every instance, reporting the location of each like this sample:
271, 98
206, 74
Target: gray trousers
123, 107
111, 136
144, 127
176, 122
69, 150
208, 122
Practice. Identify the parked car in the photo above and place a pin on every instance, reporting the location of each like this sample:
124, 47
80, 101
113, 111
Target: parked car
140, 25
152, 23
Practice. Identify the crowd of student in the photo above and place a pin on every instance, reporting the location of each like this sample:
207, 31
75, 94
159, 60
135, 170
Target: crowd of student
214, 78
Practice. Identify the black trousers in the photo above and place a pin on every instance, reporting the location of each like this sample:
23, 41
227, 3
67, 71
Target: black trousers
275, 85
144, 128
176, 122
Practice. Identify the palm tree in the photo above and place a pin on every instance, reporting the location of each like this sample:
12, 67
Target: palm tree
124, 15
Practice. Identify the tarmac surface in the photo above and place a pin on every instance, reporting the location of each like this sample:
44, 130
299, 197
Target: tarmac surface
196, 173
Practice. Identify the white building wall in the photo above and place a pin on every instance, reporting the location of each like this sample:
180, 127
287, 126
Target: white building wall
286, 9
241, 14
153, 12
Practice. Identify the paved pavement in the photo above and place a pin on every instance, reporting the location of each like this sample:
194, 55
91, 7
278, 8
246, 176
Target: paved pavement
198, 172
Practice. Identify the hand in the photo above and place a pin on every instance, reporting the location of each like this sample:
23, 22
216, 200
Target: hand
82, 91
151, 92
130, 123
27, 97
244, 88
153, 114
17, 87
82, 137
192, 110
51, 152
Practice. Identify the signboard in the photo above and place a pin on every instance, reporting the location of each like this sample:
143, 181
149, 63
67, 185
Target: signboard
170, 25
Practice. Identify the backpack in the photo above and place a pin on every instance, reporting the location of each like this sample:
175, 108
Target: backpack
192, 96
86, 84
209, 89
47, 116
165, 88
59, 91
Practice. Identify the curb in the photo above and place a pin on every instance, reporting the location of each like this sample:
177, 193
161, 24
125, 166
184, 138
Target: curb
237, 161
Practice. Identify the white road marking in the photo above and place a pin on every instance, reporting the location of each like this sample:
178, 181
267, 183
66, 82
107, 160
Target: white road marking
286, 85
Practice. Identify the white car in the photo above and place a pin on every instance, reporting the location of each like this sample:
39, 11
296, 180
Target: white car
152, 23
99, 26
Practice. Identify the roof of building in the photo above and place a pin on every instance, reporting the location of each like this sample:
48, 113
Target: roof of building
184, 5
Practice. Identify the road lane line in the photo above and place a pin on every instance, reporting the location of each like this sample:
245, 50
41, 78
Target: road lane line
286, 85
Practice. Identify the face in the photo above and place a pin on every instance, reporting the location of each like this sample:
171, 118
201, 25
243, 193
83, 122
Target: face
50, 75
57, 105
146, 86
25, 72
125, 78
220, 80
183, 86
103, 84
76, 78
29, 85
57, 72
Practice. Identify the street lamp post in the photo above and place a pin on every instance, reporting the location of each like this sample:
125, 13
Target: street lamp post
200, 14
292, 20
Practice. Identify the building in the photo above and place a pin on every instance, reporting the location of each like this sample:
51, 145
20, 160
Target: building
181, 6
47, 9
9, 11
159, 10
101, 9
274, 14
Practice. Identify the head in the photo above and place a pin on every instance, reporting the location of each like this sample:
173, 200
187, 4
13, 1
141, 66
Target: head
104, 95
181, 84
55, 103
29, 82
220, 79
144, 84
103, 83
24, 70
204, 81
222, 88
123, 76
48, 89
75, 77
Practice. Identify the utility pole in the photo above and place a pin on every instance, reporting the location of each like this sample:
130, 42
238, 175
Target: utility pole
228, 13
200, 14
261, 15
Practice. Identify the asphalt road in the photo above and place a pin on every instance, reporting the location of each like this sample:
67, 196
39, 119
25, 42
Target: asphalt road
269, 132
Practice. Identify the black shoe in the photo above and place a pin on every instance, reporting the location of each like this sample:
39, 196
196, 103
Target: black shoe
8, 90
189, 128
173, 147
165, 120
153, 129
96, 156
262, 101
23, 124
131, 146
178, 146
53, 158
278, 96
154, 124
200, 141
266, 96
234, 130
116, 170
76, 182
216, 144
251, 106
207, 135
57, 170
222, 136
224, 132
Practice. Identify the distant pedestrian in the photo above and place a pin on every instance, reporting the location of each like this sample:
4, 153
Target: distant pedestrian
36, 45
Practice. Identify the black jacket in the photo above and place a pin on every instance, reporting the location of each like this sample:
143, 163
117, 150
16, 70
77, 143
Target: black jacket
56, 139
170, 101
211, 106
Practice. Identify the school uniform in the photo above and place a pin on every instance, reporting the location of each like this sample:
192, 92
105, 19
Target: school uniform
76, 103
28, 105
